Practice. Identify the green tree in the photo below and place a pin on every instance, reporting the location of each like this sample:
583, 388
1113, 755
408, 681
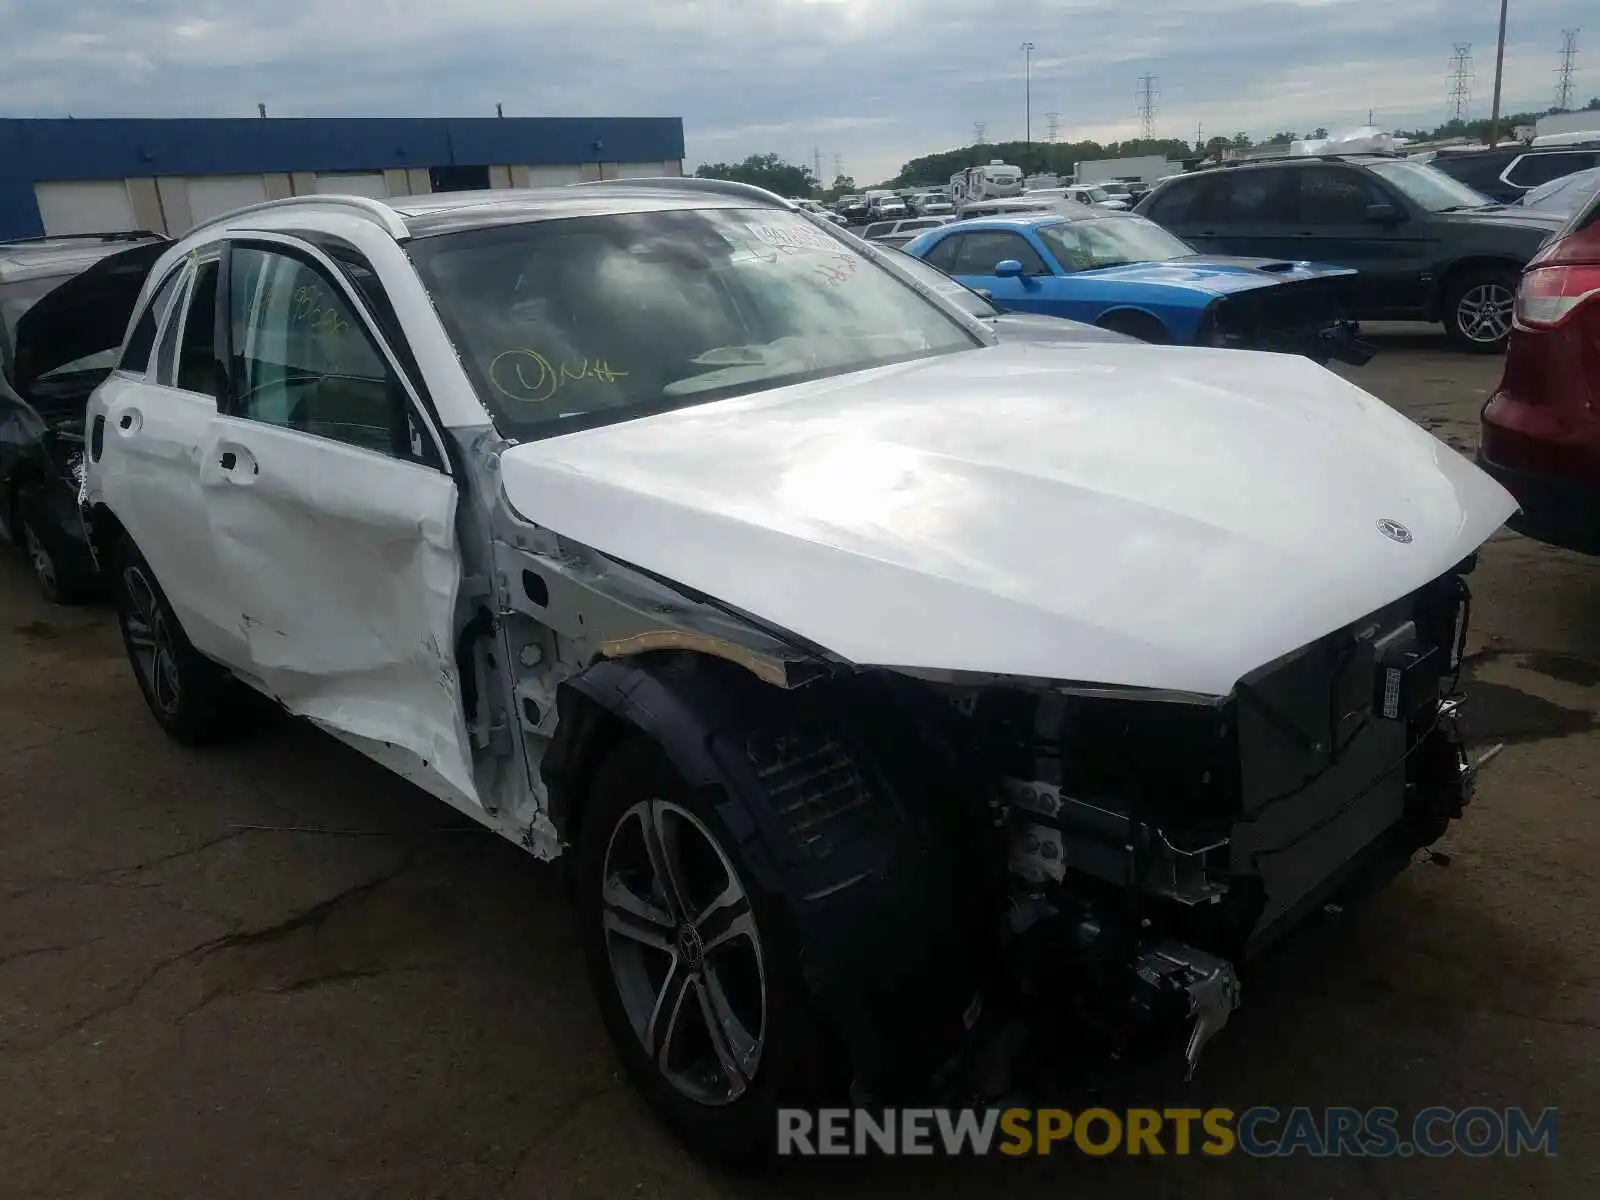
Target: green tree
764, 170
843, 185
1281, 139
1319, 132
1594, 103
1058, 158
1241, 141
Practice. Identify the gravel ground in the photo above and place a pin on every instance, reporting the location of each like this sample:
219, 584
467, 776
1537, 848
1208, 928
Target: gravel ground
205, 992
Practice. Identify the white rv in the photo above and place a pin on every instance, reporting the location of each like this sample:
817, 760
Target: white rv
995, 180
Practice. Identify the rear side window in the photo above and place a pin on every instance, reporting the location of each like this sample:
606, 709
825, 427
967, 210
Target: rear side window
980, 252
1476, 171
142, 342
1249, 196
1335, 195
1533, 169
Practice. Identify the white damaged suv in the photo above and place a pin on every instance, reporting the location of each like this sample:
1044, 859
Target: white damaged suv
887, 688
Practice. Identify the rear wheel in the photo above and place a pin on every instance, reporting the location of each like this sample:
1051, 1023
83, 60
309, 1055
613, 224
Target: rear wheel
63, 572
695, 971
192, 699
1478, 308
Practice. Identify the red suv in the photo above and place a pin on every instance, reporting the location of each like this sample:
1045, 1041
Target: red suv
1541, 428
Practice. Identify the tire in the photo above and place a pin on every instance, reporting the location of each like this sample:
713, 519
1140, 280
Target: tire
193, 699
63, 573
664, 982
1477, 309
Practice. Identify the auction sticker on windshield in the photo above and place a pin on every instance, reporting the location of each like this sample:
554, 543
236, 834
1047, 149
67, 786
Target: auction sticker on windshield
803, 238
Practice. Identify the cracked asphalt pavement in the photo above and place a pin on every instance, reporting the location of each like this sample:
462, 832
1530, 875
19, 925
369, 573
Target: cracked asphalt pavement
272, 969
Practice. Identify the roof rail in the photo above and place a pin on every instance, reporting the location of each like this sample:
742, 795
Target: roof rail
115, 235
1331, 156
692, 183
374, 210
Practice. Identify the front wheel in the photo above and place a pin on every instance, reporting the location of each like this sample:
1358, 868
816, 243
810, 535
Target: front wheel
696, 974
192, 699
1478, 309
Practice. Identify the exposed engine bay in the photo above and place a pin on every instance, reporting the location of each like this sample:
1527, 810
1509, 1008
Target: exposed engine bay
1116, 854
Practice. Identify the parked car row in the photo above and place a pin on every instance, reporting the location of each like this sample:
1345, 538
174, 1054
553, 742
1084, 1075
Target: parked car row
637, 516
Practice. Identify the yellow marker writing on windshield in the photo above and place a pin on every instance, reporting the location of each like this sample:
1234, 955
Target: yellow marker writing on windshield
527, 376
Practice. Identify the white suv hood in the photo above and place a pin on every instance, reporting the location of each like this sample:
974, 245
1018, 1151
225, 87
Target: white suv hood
1131, 515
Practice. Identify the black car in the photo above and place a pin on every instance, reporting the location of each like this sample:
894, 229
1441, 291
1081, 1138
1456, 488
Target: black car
64, 305
1427, 247
1507, 174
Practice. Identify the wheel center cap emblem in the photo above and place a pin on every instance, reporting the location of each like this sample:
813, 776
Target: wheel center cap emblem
690, 948
1394, 531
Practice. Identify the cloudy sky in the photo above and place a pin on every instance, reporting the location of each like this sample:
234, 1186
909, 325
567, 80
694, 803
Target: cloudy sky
873, 81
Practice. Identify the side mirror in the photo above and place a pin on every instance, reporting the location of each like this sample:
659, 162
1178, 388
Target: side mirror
1383, 214
1008, 268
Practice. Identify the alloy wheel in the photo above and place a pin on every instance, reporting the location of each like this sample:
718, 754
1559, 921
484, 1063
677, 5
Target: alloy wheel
149, 634
1484, 313
684, 950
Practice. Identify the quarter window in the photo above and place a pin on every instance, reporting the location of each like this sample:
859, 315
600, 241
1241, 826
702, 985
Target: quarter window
199, 369
304, 360
1246, 196
142, 342
167, 347
1533, 169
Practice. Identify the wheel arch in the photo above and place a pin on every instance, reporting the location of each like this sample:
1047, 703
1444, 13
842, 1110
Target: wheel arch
867, 889
1135, 322
105, 530
1453, 274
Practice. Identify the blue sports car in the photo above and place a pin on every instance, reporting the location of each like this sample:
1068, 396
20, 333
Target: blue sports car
1127, 274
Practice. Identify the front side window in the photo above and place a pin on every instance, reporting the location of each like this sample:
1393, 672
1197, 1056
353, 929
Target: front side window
1332, 195
982, 250
567, 324
303, 359
943, 254
1085, 245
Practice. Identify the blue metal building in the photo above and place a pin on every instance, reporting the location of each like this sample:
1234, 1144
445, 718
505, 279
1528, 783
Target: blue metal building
98, 175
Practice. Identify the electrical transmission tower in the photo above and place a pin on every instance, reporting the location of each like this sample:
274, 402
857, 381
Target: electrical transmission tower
838, 166
1149, 91
816, 164
1569, 63
1052, 129
1461, 78
979, 128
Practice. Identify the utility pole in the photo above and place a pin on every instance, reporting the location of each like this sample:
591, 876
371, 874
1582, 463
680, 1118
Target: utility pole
1569, 63
1149, 89
1461, 78
1499, 70
1027, 93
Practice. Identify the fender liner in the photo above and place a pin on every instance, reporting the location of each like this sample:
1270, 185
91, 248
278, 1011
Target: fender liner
867, 887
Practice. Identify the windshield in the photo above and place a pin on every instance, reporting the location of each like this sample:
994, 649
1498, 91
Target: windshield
1085, 245
573, 323
1427, 186
1097, 194
1567, 194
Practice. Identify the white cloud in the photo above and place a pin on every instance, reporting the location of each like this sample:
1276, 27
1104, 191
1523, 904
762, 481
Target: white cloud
875, 81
